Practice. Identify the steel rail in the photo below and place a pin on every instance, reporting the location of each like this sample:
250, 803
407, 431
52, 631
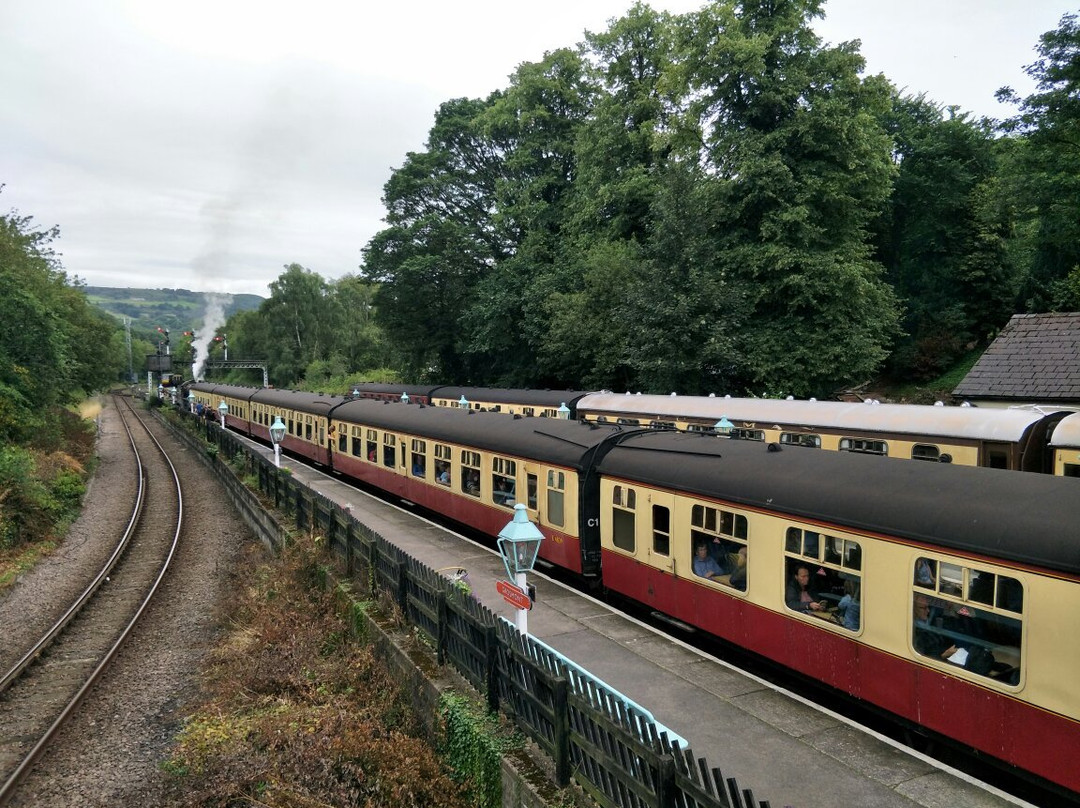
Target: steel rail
54, 631
7, 789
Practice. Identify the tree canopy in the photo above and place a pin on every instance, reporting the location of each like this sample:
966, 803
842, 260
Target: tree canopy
54, 346
708, 202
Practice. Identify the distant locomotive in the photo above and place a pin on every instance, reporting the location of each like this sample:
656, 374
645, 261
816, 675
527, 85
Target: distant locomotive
946, 595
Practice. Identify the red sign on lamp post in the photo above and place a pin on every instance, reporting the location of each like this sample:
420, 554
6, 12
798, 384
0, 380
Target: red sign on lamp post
512, 595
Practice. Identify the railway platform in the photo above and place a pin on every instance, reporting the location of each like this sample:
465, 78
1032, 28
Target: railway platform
787, 750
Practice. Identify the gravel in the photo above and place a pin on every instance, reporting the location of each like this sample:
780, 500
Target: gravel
111, 751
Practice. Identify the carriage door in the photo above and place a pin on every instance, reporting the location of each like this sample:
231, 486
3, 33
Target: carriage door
532, 488
661, 514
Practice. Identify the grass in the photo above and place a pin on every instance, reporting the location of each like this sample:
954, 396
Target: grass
939, 389
15, 561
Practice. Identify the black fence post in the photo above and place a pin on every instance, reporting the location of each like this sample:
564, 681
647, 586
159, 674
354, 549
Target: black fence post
561, 708
443, 627
402, 587
350, 537
665, 782
491, 642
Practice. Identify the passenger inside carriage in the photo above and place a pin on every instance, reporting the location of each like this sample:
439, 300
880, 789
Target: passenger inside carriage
849, 607
927, 637
738, 574
442, 472
801, 594
504, 492
704, 565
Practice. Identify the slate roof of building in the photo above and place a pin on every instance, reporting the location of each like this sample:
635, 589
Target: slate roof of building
1035, 358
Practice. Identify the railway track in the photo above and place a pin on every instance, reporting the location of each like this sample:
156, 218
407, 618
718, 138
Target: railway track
53, 673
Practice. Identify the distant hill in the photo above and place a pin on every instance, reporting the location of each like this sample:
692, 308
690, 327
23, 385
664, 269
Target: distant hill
172, 309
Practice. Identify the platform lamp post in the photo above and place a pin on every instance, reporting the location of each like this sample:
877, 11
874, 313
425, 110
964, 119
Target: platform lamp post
191, 402
404, 398
463, 403
519, 542
723, 426
564, 411
277, 434
223, 410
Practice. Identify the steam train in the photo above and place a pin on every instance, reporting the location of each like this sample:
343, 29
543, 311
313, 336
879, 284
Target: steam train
947, 596
1017, 438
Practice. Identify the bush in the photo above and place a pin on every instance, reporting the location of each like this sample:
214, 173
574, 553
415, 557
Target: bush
37, 492
298, 713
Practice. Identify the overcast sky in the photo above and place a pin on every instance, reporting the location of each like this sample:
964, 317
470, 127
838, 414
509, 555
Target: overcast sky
206, 144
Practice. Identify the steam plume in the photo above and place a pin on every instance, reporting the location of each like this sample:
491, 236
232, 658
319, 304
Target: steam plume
213, 318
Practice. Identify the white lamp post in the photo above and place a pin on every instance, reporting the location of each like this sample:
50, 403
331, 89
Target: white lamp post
191, 402
519, 542
564, 411
223, 410
404, 398
463, 403
277, 434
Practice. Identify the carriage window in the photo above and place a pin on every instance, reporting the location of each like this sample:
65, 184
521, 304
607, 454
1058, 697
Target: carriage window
443, 463
925, 573
623, 527
925, 451
833, 583
661, 527
372, 447
530, 490
307, 428
527, 412
698, 428
556, 486
970, 618
863, 446
628, 422
747, 434
470, 472
504, 481
800, 439
1070, 470
389, 450
719, 550
661, 424
343, 440
419, 458
357, 443
997, 457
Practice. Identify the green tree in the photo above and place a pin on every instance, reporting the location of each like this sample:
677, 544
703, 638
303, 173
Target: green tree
54, 346
300, 322
534, 124
788, 138
1044, 170
945, 236
360, 340
440, 240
